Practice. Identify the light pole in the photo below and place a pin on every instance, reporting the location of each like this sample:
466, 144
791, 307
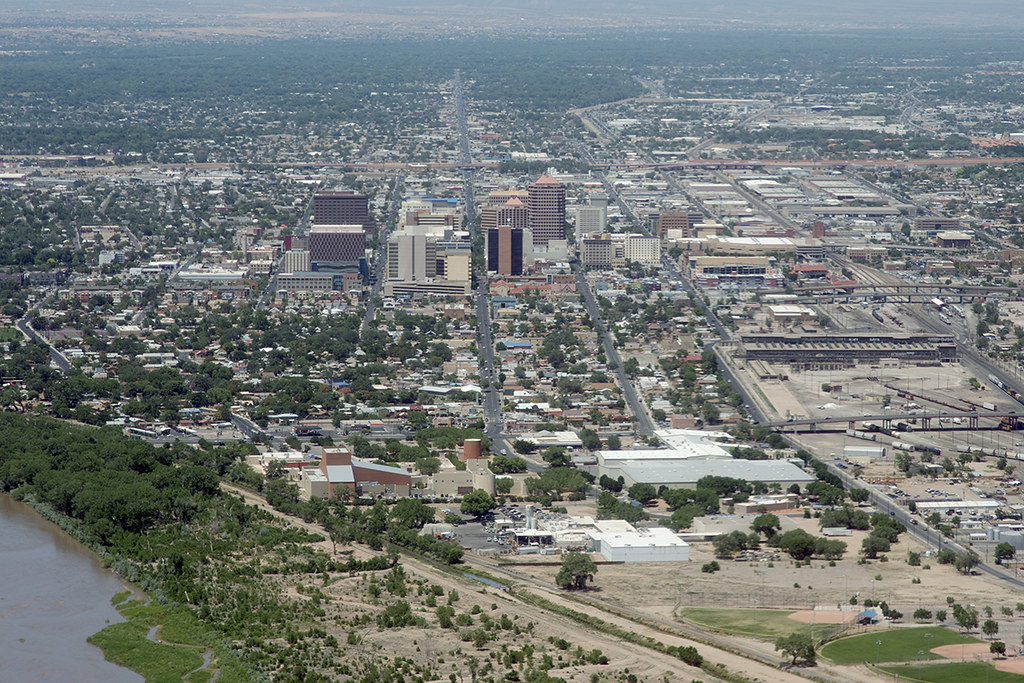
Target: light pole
755, 616
878, 646
920, 657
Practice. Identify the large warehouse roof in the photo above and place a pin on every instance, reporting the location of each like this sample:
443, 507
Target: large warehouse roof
682, 444
687, 472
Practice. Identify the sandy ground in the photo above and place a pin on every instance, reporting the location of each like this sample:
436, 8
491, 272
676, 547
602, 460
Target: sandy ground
966, 651
1013, 666
645, 664
823, 616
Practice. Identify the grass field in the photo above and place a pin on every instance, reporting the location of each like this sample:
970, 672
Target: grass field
952, 673
763, 623
126, 644
9, 334
898, 645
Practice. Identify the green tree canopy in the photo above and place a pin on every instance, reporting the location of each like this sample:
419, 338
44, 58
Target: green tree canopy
577, 569
477, 503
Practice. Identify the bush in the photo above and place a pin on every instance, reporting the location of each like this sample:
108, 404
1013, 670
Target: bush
711, 567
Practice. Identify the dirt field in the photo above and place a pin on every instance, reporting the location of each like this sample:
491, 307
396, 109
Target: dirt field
1013, 666
823, 616
966, 651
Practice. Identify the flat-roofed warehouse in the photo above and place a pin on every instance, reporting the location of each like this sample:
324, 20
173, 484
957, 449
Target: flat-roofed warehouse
684, 474
819, 351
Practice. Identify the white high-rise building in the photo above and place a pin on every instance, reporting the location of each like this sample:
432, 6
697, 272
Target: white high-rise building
591, 220
411, 258
296, 261
642, 249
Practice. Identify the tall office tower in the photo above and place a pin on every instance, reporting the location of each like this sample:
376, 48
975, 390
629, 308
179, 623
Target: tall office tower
590, 220
505, 250
546, 206
674, 220
296, 261
499, 197
336, 245
512, 213
342, 208
411, 258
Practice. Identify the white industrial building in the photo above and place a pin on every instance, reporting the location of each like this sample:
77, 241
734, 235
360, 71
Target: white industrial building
685, 473
619, 541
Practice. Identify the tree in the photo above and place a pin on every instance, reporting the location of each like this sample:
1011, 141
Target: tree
591, 441
966, 562
859, 495
797, 543
997, 647
501, 464
523, 446
643, 493
873, 545
577, 569
799, 646
903, 461
966, 617
477, 503
766, 524
1004, 551
990, 627
556, 456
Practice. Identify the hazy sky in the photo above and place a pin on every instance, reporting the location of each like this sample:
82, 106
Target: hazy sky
821, 13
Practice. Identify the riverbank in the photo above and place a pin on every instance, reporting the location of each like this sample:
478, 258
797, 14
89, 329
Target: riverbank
55, 590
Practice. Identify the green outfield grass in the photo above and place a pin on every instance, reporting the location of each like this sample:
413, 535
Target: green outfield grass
898, 645
956, 672
763, 623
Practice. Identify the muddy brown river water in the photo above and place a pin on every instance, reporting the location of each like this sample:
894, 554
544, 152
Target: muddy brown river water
54, 593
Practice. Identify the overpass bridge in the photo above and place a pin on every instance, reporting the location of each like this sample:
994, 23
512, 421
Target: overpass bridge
922, 422
896, 293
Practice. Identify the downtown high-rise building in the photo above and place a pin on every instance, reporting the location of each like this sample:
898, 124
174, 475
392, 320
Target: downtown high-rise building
505, 250
545, 206
512, 213
342, 208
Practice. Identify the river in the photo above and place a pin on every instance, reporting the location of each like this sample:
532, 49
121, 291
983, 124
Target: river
54, 593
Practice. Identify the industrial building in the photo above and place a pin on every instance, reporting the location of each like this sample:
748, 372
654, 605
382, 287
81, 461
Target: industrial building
739, 272
452, 483
685, 473
620, 541
338, 469
837, 351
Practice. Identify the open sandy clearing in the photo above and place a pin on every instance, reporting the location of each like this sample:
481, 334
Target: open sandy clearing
955, 651
828, 616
